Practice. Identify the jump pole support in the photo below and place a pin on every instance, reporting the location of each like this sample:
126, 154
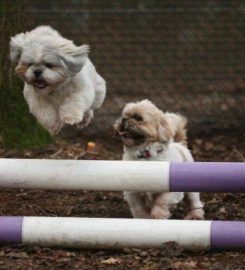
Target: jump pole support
119, 233
122, 175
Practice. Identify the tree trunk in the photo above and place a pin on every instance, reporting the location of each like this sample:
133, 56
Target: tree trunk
18, 128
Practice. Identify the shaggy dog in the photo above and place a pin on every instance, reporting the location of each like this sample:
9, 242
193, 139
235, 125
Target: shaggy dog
61, 83
149, 134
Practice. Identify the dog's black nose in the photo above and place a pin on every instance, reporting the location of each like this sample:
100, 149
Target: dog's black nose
37, 72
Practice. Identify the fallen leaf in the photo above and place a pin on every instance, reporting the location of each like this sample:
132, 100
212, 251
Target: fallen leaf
112, 261
191, 264
18, 255
208, 146
223, 210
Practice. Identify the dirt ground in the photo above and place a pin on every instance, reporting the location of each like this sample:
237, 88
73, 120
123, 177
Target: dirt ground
225, 147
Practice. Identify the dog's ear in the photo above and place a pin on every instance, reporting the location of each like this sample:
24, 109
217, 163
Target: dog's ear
178, 125
173, 126
75, 59
117, 125
165, 131
16, 46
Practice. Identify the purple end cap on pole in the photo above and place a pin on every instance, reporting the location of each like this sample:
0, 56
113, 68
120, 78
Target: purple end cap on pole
10, 230
207, 177
228, 235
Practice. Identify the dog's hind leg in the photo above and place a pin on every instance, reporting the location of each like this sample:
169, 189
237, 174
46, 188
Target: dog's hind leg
196, 206
160, 209
136, 204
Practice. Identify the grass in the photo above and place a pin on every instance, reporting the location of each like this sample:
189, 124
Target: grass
18, 128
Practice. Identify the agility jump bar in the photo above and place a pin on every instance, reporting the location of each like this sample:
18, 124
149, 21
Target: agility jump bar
119, 233
122, 175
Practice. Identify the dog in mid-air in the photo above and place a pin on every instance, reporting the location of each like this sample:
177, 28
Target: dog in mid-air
148, 134
62, 86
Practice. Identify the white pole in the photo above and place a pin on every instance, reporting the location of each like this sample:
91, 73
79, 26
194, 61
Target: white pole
84, 175
114, 233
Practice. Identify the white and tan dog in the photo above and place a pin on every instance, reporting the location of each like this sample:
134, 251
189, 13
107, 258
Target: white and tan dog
61, 83
149, 134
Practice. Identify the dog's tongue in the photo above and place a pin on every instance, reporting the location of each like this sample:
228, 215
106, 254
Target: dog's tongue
123, 133
40, 84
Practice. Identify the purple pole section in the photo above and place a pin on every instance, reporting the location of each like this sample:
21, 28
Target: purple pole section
10, 230
228, 235
207, 177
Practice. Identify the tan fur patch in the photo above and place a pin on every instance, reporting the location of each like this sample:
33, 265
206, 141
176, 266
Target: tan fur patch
178, 125
155, 125
21, 69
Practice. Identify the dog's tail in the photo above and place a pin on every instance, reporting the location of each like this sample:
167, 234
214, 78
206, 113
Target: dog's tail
178, 124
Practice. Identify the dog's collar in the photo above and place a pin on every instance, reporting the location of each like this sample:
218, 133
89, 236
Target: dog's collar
146, 154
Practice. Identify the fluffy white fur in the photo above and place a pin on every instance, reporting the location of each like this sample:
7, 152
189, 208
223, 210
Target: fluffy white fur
171, 148
68, 88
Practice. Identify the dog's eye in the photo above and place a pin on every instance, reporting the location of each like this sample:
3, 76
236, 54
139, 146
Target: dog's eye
29, 64
49, 65
137, 117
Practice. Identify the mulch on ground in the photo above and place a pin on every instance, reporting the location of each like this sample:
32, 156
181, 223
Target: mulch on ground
229, 147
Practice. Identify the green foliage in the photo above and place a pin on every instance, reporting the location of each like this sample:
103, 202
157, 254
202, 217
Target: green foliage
18, 128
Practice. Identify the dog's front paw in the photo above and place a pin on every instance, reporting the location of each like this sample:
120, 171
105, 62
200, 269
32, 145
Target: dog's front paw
55, 128
195, 214
71, 118
158, 212
88, 116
